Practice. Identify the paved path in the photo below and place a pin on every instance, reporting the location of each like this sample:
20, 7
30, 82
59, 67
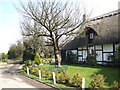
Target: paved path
10, 79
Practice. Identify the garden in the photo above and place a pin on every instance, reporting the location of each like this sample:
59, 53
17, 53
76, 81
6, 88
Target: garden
70, 76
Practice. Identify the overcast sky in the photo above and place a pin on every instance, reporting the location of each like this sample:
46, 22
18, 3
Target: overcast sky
9, 18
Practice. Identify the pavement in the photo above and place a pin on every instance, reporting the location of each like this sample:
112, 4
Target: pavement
9, 78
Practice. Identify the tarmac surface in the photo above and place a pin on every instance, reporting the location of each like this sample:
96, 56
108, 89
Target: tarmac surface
9, 79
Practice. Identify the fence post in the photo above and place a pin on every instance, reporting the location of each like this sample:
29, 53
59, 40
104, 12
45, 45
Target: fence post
54, 80
27, 70
83, 83
39, 74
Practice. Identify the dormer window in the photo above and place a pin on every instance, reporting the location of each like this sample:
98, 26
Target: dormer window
91, 35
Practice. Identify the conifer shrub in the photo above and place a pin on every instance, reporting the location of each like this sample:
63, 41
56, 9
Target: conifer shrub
77, 80
98, 81
37, 59
63, 78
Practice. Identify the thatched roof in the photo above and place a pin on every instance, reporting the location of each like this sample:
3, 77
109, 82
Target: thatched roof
77, 42
106, 27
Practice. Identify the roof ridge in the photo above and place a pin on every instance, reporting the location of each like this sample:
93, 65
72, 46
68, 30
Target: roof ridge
109, 14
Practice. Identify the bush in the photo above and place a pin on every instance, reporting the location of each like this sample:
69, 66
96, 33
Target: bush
77, 80
43, 72
46, 60
49, 75
28, 62
33, 70
91, 60
3, 57
24, 68
115, 84
114, 58
56, 74
97, 81
64, 78
72, 59
37, 59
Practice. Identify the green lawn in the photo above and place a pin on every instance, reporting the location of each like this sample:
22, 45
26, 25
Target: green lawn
86, 71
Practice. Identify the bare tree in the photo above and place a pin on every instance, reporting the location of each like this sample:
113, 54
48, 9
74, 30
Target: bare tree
57, 21
30, 32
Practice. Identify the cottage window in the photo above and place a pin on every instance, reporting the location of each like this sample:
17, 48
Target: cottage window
91, 35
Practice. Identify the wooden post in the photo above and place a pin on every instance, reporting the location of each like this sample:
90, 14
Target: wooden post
83, 83
27, 70
54, 80
39, 74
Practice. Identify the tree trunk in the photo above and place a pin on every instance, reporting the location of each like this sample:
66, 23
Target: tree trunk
57, 58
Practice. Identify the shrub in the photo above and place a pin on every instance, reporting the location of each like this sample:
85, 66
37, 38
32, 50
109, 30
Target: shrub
115, 84
48, 74
72, 57
115, 58
24, 68
46, 60
56, 74
43, 72
33, 70
97, 81
77, 80
64, 78
91, 60
37, 59
3, 57
28, 62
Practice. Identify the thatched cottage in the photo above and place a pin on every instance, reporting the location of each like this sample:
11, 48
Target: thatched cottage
100, 35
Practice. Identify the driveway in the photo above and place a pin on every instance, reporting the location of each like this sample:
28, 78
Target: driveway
10, 79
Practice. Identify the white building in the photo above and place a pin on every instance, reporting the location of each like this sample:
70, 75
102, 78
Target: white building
100, 35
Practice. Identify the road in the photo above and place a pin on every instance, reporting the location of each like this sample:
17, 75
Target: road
10, 79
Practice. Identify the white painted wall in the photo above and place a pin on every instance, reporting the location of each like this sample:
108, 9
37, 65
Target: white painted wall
84, 47
84, 53
79, 52
79, 48
92, 47
98, 46
108, 48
